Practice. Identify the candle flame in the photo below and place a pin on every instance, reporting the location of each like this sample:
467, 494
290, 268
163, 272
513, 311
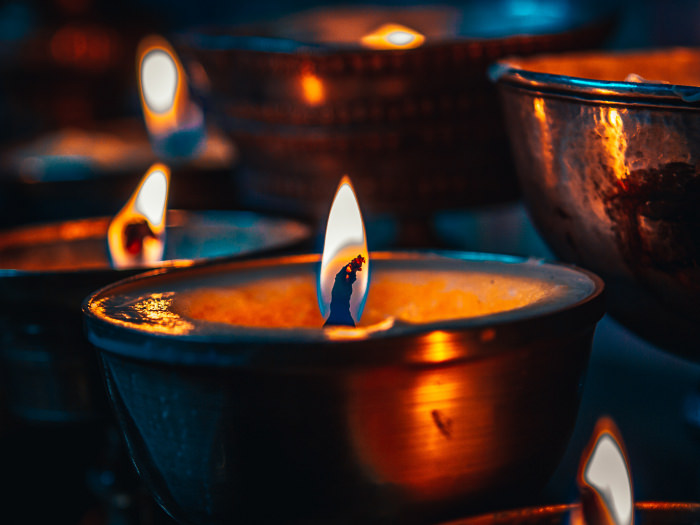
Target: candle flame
165, 101
313, 89
393, 36
604, 478
345, 240
136, 235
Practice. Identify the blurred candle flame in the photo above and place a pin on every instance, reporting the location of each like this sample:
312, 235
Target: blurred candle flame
345, 239
313, 89
604, 478
174, 122
393, 36
136, 235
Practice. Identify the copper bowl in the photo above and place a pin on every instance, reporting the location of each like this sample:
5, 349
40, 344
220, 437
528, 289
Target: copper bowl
416, 129
48, 368
645, 513
610, 171
408, 425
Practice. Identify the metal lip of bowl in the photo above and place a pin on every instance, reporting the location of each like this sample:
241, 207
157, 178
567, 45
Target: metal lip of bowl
309, 347
519, 72
95, 228
677, 513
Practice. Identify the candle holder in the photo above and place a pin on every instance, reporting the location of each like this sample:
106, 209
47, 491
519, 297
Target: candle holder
417, 128
51, 372
651, 513
402, 422
607, 147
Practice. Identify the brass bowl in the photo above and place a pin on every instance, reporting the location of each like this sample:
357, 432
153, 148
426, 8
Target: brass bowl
410, 425
416, 129
609, 169
645, 513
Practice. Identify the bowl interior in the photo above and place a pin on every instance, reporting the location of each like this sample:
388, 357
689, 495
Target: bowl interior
675, 66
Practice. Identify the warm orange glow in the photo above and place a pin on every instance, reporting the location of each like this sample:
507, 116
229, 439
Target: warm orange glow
440, 346
545, 139
393, 36
345, 239
409, 296
313, 89
604, 478
136, 235
153, 312
162, 86
612, 131
88, 47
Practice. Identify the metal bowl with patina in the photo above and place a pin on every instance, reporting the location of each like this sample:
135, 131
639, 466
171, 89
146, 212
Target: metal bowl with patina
607, 147
308, 98
645, 513
47, 366
397, 423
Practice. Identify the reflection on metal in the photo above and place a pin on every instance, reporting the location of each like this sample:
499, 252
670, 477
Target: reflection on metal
545, 136
612, 133
393, 36
152, 313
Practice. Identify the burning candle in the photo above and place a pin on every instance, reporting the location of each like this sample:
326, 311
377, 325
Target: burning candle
606, 494
46, 271
417, 409
175, 123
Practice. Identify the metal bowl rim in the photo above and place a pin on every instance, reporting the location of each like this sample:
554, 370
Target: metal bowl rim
512, 515
263, 348
196, 38
116, 273
506, 71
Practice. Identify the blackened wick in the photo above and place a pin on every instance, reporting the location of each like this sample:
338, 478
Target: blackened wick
134, 235
340, 295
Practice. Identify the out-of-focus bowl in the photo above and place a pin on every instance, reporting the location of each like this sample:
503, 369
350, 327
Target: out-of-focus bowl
405, 425
48, 367
417, 129
90, 171
645, 513
610, 172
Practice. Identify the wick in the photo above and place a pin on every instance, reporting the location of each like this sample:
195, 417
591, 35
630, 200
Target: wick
340, 295
134, 235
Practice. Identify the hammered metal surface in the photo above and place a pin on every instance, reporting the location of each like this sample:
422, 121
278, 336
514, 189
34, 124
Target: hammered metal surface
418, 130
610, 171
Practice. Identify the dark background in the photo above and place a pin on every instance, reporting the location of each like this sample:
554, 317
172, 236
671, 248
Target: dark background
648, 392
